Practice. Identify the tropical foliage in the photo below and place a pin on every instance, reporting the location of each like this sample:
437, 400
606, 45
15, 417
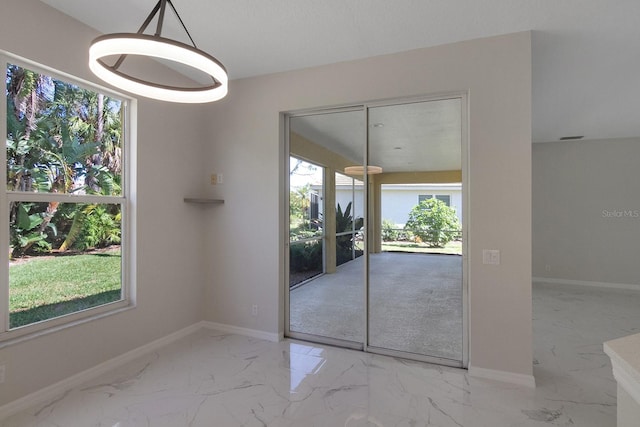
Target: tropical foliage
61, 138
299, 203
345, 244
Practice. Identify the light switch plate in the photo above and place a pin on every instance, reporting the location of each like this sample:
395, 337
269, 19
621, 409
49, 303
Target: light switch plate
491, 256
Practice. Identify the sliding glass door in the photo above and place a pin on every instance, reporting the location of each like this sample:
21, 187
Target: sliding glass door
415, 268
376, 228
326, 213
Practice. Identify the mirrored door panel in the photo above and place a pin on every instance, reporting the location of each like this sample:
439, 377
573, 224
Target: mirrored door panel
326, 240
376, 247
415, 216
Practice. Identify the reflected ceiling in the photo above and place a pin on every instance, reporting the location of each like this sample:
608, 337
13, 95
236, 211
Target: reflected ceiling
420, 136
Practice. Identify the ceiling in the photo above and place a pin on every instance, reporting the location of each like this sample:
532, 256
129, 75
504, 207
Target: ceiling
586, 53
417, 136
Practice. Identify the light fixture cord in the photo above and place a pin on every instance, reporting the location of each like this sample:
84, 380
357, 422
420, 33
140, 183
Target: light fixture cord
182, 23
186, 31
163, 6
160, 6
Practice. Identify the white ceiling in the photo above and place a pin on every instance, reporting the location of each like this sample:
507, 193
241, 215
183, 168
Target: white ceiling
421, 136
586, 53
412, 137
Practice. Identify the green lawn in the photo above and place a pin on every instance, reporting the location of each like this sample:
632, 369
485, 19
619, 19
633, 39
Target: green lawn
454, 247
41, 288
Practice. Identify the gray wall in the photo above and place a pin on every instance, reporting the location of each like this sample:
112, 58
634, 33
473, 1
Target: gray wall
169, 246
245, 236
586, 211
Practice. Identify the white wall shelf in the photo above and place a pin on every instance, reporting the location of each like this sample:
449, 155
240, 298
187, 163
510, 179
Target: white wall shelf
203, 201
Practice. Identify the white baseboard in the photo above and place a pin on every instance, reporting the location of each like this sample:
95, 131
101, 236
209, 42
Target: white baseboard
626, 286
503, 376
54, 390
253, 333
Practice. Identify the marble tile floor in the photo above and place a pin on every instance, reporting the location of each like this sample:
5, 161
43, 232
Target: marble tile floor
215, 379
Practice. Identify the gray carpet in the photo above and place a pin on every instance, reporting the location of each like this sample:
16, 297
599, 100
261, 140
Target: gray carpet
416, 304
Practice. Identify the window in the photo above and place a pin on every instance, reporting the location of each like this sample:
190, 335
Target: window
349, 218
443, 198
64, 202
306, 212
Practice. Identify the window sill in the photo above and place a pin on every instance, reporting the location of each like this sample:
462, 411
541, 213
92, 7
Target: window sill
29, 332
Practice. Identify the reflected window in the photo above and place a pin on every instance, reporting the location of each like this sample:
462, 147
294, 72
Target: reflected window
306, 254
349, 218
445, 198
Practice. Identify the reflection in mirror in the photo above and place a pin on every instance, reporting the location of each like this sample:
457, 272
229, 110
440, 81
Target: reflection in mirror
326, 214
412, 245
415, 213
305, 221
349, 218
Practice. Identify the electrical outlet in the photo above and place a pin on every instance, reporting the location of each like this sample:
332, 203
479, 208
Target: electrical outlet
2, 372
220, 178
547, 267
254, 310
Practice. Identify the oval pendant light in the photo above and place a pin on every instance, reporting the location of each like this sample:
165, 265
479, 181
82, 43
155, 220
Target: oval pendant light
156, 46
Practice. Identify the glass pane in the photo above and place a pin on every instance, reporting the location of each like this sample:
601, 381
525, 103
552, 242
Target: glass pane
305, 200
331, 303
349, 218
64, 258
415, 280
305, 261
61, 138
445, 199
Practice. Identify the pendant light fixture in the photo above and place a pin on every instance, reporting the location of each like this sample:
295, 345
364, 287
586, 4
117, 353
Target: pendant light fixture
359, 170
156, 46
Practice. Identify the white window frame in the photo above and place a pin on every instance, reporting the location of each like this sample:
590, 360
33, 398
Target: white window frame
435, 196
126, 201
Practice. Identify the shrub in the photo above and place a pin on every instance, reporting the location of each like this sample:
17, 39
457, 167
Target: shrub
433, 222
405, 236
100, 227
306, 256
389, 231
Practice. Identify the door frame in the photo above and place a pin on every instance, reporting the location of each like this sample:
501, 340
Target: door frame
466, 216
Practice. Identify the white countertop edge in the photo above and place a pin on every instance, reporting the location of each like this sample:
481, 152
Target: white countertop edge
627, 377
